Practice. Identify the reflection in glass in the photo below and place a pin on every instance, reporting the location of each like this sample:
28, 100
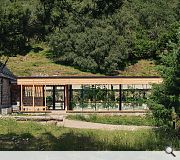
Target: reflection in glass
134, 97
95, 97
49, 97
55, 97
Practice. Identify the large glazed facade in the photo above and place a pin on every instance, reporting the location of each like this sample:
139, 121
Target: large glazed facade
83, 93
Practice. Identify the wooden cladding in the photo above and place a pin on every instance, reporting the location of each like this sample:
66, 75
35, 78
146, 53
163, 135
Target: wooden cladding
31, 95
88, 80
28, 91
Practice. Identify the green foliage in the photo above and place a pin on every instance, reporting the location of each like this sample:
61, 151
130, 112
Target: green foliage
106, 6
14, 20
99, 36
95, 50
49, 15
108, 35
166, 96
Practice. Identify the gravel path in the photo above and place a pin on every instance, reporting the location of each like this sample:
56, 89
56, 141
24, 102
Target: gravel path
90, 125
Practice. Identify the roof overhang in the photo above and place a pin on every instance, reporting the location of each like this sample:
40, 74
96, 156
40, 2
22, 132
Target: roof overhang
11, 78
72, 80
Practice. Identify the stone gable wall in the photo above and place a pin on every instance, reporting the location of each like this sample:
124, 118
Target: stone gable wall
5, 99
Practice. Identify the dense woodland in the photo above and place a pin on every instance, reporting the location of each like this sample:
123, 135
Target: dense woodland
100, 36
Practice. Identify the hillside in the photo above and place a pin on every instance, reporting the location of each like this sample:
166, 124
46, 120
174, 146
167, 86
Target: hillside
94, 36
38, 64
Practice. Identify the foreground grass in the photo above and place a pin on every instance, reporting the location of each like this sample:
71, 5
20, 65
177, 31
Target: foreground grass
115, 119
33, 136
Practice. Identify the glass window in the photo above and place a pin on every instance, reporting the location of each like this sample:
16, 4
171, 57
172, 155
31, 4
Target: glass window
95, 97
134, 97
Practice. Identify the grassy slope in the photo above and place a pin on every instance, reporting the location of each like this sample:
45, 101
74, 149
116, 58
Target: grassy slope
37, 63
34, 64
142, 68
33, 136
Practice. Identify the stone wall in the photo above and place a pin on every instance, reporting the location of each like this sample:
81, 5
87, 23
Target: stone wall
5, 94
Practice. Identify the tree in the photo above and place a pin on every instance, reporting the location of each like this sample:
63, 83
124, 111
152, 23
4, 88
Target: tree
13, 26
165, 97
107, 7
49, 16
95, 49
107, 35
94, 35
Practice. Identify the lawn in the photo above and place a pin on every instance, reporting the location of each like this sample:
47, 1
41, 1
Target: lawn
33, 136
115, 119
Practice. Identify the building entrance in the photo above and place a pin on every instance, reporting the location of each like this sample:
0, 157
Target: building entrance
55, 97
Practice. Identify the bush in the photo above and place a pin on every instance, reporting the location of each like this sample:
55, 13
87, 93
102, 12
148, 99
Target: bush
165, 97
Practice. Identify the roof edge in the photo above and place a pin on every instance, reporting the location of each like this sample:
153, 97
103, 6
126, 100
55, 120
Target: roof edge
79, 77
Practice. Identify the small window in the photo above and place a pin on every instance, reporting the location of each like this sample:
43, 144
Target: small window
28, 91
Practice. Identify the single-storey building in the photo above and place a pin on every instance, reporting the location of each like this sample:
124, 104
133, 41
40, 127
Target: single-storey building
74, 93
84, 93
